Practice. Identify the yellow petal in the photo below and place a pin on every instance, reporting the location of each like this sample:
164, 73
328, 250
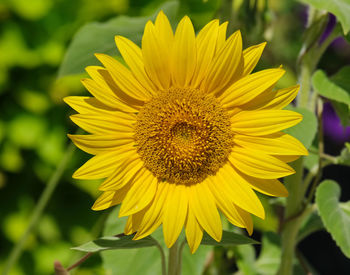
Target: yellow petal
175, 212
124, 78
241, 194
256, 164
105, 125
263, 122
287, 158
103, 165
163, 27
273, 100
90, 105
273, 144
224, 202
221, 37
206, 45
184, 53
104, 95
249, 87
251, 57
97, 144
203, 204
154, 213
270, 187
133, 223
110, 198
128, 170
194, 232
132, 55
140, 195
156, 55
226, 66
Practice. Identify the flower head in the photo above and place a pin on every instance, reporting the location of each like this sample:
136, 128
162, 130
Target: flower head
184, 130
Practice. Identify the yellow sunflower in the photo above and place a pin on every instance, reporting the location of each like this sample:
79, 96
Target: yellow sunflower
184, 130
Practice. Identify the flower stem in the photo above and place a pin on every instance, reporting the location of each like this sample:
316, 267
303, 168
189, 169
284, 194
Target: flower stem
174, 259
46, 195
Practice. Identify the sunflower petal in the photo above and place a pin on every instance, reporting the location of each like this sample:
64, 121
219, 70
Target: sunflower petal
241, 194
157, 65
251, 57
97, 144
256, 164
194, 232
263, 122
206, 44
221, 37
184, 53
103, 165
249, 87
132, 55
153, 215
175, 212
140, 195
203, 204
123, 78
273, 144
226, 66
110, 198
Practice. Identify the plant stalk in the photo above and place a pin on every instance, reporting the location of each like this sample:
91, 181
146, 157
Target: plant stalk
39, 208
174, 259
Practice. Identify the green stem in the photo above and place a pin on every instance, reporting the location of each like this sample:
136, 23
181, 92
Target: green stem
173, 261
162, 257
46, 195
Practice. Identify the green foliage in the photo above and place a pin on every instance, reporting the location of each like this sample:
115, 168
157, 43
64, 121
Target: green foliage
228, 238
336, 89
312, 224
306, 130
340, 8
335, 215
99, 38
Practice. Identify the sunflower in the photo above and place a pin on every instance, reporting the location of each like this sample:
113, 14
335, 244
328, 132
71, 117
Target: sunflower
184, 130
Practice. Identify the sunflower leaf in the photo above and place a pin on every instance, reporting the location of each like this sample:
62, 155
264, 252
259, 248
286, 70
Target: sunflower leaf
98, 37
340, 8
306, 130
115, 242
335, 216
228, 238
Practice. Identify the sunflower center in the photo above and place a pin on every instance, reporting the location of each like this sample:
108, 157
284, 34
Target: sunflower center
183, 135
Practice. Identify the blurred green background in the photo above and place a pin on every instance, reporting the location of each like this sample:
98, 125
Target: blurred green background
34, 121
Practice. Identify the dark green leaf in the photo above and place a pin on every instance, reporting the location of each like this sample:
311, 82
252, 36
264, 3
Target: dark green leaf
306, 130
342, 78
335, 219
327, 88
228, 238
340, 8
99, 38
110, 243
343, 112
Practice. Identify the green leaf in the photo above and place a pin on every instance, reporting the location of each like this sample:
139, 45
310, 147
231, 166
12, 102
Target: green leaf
270, 255
340, 8
99, 38
146, 261
335, 219
312, 224
228, 238
344, 157
342, 78
113, 242
245, 259
306, 130
327, 88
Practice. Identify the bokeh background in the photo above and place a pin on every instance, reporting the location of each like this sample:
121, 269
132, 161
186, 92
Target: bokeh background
34, 121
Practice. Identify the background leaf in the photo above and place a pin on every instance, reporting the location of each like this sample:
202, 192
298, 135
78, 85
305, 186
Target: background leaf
335, 219
228, 238
306, 130
340, 8
99, 38
110, 243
